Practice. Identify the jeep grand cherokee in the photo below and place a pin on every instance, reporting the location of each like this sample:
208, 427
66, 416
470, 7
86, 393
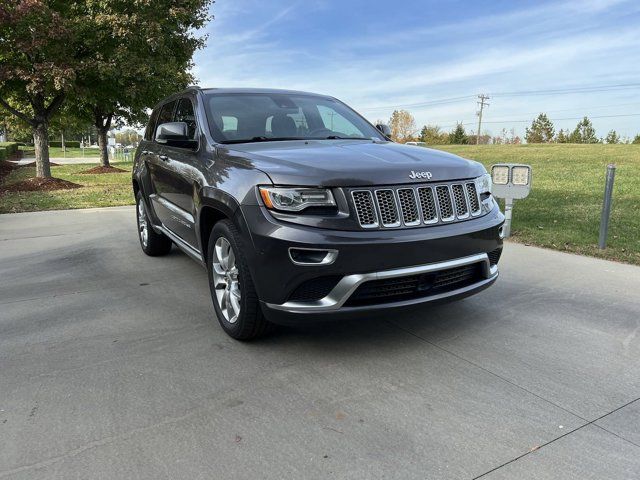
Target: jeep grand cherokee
301, 210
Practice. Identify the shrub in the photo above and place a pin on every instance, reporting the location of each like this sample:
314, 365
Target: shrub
11, 148
3, 154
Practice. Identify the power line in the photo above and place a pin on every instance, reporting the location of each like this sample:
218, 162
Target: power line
552, 119
521, 93
481, 104
442, 101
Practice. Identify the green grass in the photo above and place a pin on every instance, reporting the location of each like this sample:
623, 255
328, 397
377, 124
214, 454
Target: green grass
563, 210
56, 152
106, 190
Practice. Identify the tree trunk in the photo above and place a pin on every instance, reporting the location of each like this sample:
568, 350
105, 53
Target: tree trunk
41, 144
102, 143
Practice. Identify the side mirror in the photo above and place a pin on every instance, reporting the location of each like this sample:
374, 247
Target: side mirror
386, 131
175, 134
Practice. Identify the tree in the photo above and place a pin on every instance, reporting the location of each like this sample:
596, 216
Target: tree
584, 132
541, 130
458, 136
40, 56
562, 137
403, 126
432, 135
146, 51
636, 139
612, 137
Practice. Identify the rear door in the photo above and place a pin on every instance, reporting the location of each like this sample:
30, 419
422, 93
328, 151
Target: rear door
175, 176
158, 172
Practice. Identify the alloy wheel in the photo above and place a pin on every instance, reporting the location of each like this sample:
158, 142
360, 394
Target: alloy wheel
143, 225
225, 278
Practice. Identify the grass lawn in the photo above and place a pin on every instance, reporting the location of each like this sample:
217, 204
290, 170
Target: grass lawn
56, 152
564, 207
106, 190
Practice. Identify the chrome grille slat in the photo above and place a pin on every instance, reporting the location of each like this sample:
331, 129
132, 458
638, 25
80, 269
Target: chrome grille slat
366, 211
428, 205
387, 207
408, 206
460, 204
411, 206
474, 201
445, 207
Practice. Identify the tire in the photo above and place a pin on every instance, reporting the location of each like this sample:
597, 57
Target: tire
235, 299
153, 243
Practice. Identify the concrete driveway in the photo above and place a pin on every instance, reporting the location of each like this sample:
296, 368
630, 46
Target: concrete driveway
112, 366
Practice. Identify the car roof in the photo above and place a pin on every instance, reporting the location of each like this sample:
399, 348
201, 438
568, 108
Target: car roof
258, 91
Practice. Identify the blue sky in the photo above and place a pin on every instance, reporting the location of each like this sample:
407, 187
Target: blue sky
380, 55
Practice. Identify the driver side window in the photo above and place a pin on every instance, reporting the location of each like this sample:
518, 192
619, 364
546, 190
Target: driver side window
185, 113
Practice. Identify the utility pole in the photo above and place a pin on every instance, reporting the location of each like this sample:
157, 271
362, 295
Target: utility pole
481, 104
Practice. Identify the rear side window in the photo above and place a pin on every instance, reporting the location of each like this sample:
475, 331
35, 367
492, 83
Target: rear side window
184, 113
148, 133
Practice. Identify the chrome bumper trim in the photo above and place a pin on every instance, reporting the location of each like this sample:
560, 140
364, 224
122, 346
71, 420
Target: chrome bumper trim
349, 283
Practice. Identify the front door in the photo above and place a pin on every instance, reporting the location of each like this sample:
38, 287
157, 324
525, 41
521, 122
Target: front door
174, 174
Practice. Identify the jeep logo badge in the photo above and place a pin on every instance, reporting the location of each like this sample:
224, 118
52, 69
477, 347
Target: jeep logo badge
413, 175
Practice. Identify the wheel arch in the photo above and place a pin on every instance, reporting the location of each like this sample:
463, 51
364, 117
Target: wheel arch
216, 205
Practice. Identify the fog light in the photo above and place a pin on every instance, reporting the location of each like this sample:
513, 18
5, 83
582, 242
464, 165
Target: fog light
501, 232
312, 256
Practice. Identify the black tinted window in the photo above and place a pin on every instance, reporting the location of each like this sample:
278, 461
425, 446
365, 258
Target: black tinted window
184, 113
166, 113
148, 133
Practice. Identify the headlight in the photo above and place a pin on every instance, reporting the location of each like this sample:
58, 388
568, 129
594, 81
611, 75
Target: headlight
483, 184
296, 199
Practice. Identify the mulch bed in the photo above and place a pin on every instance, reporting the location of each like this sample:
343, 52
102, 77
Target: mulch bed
101, 169
5, 169
37, 184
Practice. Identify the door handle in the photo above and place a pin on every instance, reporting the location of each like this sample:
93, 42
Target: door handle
164, 158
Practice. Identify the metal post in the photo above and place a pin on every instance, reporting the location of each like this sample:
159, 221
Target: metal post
508, 211
606, 206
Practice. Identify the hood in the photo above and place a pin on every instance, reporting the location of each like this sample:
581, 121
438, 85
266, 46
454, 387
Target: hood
350, 162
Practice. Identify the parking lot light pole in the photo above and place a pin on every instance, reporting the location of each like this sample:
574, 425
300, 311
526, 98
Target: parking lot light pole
606, 206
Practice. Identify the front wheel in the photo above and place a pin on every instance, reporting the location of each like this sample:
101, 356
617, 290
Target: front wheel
153, 243
234, 297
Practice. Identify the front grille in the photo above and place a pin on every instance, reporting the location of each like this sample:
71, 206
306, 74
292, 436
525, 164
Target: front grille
408, 206
415, 286
314, 289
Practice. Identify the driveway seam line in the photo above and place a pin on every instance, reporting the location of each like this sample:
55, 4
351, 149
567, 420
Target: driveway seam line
562, 436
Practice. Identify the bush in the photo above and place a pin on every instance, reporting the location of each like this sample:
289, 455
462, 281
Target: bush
3, 154
67, 143
11, 148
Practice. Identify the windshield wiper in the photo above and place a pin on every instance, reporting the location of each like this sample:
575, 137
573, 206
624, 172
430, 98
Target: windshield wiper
337, 137
262, 139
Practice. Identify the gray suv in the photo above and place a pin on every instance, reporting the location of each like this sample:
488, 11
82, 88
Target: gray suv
301, 210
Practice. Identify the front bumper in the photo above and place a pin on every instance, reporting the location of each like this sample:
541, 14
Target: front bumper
363, 256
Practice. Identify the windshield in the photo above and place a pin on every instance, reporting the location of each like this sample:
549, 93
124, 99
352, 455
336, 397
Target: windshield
262, 117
